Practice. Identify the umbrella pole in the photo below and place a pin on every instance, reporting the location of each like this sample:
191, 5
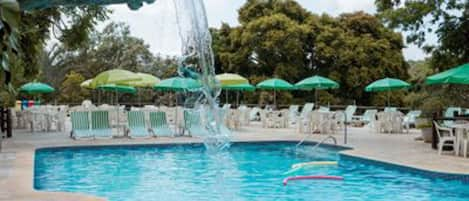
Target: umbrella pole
389, 95
316, 97
237, 99
275, 99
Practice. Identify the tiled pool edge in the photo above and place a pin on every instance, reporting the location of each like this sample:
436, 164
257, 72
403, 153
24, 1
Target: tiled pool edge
401, 167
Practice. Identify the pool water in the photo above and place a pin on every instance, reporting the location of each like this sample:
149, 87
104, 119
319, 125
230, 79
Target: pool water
247, 171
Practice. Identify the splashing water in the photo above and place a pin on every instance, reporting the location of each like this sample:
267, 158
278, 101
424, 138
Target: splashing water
197, 63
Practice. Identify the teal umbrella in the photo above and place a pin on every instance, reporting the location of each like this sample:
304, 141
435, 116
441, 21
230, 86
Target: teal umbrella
275, 84
317, 83
34, 88
457, 75
177, 84
387, 84
238, 88
117, 89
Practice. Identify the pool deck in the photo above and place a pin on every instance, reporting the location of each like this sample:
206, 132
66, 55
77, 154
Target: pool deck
17, 155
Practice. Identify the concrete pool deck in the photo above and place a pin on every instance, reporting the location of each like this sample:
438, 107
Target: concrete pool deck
17, 155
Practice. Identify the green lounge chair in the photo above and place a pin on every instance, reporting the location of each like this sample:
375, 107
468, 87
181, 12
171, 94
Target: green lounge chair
100, 125
136, 125
159, 125
367, 117
193, 125
307, 108
81, 126
350, 111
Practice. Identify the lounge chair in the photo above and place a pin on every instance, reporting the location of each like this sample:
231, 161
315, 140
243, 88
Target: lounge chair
306, 110
100, 125
293, 112
410, 118
136, 125
159, 125
367, 117
254, 114
349, 112
449, 113
81, 126
193, 125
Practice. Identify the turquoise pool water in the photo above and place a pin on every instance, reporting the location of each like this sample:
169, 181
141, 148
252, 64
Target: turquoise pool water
247, 171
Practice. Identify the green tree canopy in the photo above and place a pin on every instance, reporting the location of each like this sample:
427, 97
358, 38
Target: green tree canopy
449, 20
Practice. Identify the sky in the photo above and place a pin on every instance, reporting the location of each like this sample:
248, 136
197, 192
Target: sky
155, 23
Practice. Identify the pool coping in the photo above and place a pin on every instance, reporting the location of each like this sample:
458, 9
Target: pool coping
20, 184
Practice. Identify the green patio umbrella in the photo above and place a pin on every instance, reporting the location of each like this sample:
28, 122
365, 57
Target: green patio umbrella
317, 83
34, 88
457, 75
177, 84
118, 89
116, 76
387, 84
238, 88
275, 84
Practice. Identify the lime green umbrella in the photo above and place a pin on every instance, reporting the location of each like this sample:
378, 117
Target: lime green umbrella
231, 79
457, 75
34, 88
177, 84
86, 84
146, 81
238, 88
387, 84
116, 76
275, 84
317, 83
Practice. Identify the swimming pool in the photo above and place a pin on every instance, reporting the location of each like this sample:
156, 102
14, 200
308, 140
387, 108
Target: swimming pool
247, 171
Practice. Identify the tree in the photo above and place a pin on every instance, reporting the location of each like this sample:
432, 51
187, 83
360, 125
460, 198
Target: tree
449, 20
279, 38
70, 90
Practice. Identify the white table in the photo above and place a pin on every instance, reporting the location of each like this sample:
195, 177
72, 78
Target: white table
460, 132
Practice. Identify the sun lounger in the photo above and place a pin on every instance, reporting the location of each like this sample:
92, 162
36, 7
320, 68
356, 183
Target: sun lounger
410, 118
136, 125
390, 109
159, 125
100, 125
193, 125
81, 125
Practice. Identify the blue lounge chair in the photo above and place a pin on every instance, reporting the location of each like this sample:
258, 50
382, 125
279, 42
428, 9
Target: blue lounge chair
136, 125
193, 125
100, 125
81, 126
159, 125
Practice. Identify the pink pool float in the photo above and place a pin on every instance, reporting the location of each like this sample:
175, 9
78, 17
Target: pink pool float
314, 177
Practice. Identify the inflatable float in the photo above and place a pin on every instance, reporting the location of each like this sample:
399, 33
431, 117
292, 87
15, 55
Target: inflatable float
320, 177
299, 166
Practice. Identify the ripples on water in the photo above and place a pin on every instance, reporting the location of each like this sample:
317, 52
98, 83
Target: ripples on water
244, 172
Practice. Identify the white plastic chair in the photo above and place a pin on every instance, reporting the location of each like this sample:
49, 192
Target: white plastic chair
446, 137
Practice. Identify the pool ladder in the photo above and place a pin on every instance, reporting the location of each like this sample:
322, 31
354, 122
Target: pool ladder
318, 144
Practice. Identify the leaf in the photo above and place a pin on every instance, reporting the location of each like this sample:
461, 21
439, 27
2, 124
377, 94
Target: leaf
10, 12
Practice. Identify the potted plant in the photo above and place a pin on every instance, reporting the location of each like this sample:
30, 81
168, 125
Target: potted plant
426, 128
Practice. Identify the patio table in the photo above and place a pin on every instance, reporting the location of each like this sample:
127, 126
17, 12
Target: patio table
461, 134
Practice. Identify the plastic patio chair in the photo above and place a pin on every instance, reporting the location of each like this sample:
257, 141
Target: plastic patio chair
159, 124
136, 125
446, 137
193, 124
100, 125
81, 126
